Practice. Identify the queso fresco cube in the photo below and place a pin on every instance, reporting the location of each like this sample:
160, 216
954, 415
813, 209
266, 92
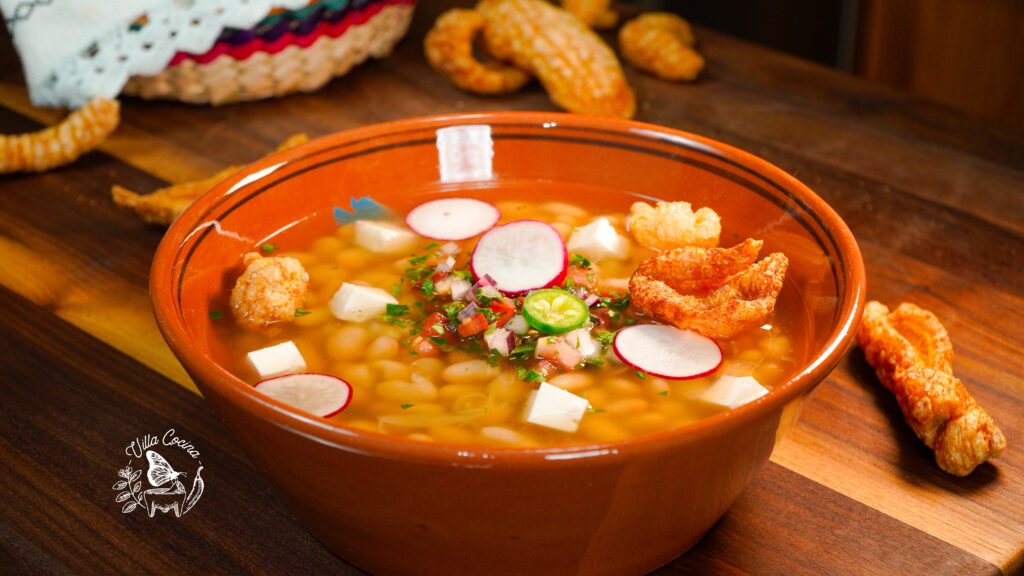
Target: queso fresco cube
360, 303
733, 391
553, 407
383, 237
598, 240
283, 358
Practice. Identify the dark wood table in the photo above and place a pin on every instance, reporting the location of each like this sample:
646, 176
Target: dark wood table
935, 199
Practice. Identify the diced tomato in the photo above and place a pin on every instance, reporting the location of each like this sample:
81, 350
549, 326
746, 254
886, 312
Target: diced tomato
505, 310
422, 346
547, 369
582, 277
475, 324
558, 352
433, 326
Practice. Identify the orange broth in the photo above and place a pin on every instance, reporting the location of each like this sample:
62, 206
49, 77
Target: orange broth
464, 396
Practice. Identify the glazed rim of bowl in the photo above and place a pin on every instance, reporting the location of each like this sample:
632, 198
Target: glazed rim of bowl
167, 272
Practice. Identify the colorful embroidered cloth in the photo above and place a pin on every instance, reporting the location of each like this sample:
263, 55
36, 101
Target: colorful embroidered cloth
74, 50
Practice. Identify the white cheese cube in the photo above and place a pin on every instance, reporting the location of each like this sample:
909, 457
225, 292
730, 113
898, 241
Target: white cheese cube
553, 407
283, 358
598, 240
360, 303
732, 391
383, 237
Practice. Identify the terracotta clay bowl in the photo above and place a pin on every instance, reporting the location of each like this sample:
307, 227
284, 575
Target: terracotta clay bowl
391, 505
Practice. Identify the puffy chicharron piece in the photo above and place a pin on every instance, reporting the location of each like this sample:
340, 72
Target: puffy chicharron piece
594, 13
78, 133
577, 69
719, 292
661, 43
912, 355
270, 290
669, 225
449, 50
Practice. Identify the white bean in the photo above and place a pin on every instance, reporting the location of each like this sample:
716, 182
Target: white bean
470, 371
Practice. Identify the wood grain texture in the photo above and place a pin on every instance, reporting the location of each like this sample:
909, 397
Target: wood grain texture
935, 199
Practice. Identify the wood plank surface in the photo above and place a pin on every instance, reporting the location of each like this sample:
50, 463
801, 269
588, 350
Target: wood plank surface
935, 199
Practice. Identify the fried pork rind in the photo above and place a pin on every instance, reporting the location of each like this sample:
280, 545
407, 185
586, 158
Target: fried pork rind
531, 38
165, 205
594, 13
662, 44
78, 133
269, 291
719, 292
449, 50
669, 225
911, 352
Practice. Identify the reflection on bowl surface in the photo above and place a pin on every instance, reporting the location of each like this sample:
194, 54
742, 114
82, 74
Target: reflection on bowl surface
394, 505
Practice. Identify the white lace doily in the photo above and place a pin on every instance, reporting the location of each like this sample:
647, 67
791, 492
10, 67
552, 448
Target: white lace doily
74, 50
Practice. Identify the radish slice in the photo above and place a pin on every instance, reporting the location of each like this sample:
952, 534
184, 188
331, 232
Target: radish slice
521, 256
452, 218
667, 352
319, 394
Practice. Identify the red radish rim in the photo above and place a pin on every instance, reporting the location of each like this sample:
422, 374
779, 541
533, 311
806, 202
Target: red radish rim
412, 215
615, 347
554, 281
348, 400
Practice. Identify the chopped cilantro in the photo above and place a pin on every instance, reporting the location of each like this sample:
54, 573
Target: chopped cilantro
452, 311
579, 260
604, 336
417, 260
529, 375
524, 350
490, 315
663, 393
216, 314
640, 375
438, 340
615, 301
431, 245
418, 272
269, 248
595, 410
594, 361
483, 300
463, 274
393, 314
397, 288
299, 312
407, 406
427, 287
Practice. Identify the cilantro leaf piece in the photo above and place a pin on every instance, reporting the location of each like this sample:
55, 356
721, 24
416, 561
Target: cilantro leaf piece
579, 260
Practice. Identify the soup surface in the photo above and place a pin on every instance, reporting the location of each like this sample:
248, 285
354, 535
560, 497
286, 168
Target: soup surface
414, 373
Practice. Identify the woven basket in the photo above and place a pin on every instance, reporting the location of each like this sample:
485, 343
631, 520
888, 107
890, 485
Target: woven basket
289, 51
